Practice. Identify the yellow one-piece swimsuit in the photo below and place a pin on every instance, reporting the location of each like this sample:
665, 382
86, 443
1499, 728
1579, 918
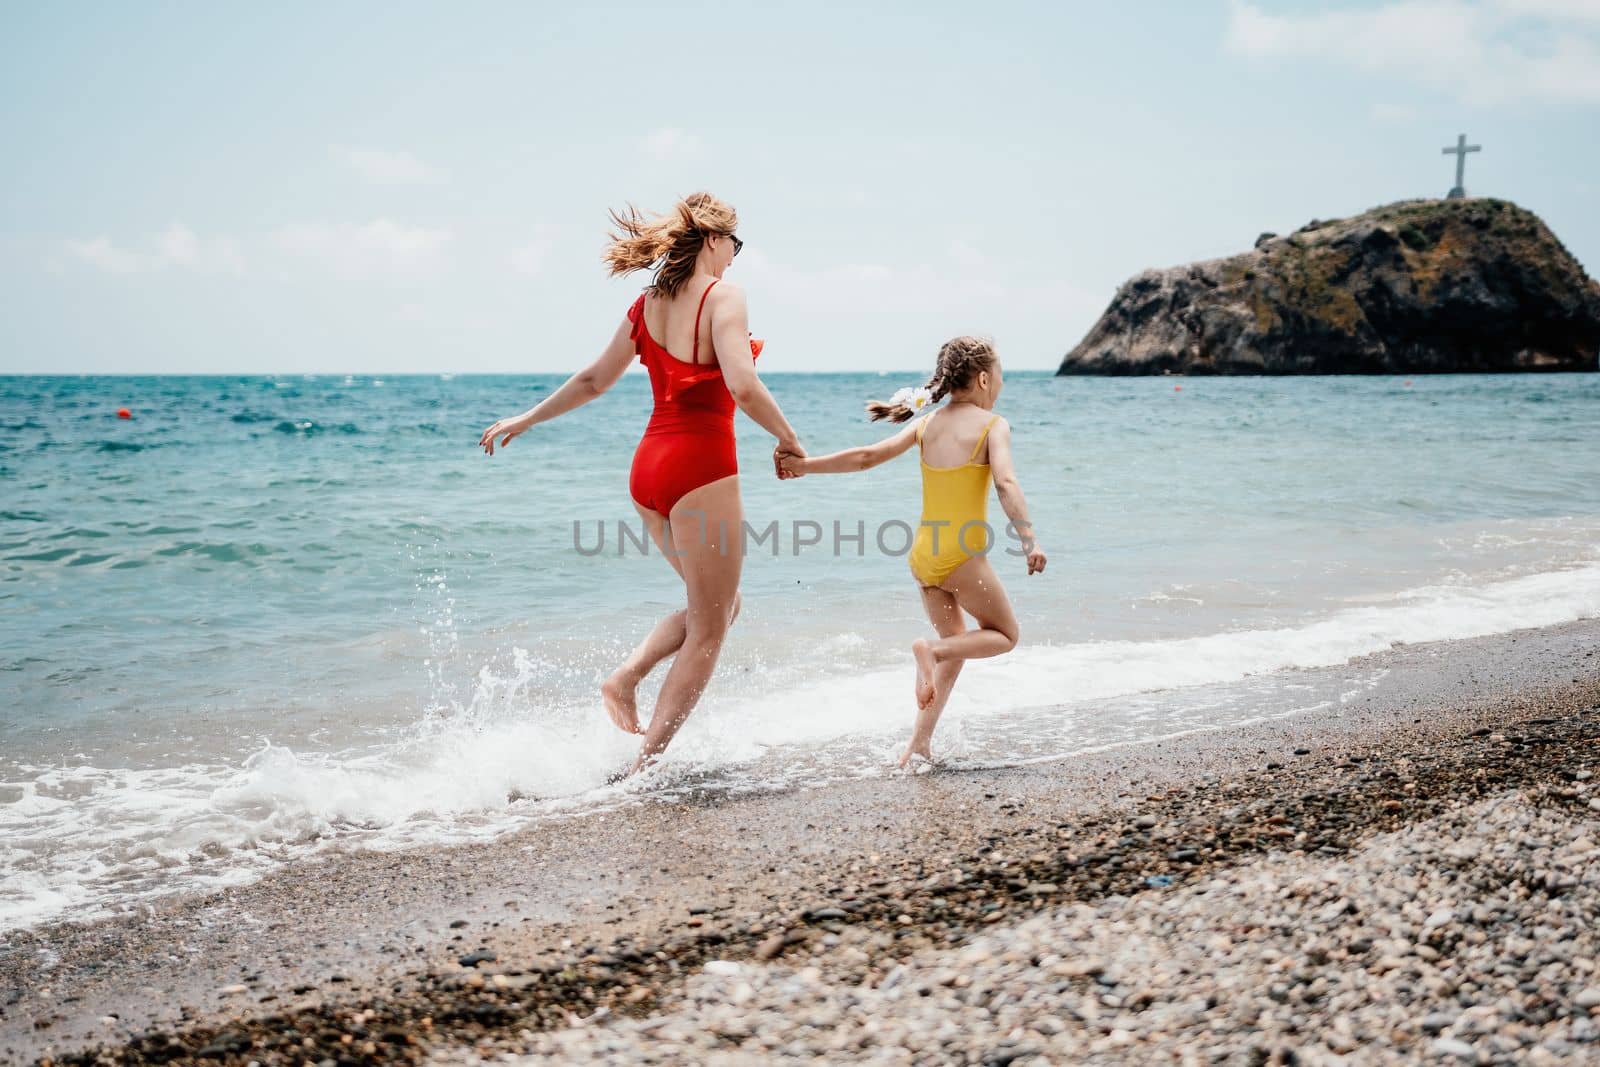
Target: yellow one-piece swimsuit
955, 509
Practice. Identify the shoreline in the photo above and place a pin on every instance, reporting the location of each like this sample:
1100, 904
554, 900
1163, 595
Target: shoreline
573, 920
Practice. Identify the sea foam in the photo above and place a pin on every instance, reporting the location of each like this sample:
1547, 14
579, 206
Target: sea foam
81, 840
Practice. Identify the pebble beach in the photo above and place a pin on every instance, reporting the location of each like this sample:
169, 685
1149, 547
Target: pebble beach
1467, 937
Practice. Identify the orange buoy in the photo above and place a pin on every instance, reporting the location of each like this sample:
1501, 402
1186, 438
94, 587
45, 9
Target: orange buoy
1177, 388
124, 413
1408, 383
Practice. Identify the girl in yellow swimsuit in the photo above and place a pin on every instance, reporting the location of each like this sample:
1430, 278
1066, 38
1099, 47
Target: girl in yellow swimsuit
963, 444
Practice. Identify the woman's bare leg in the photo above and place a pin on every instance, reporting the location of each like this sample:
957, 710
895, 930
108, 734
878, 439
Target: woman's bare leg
933, 688
707, 529
618, 692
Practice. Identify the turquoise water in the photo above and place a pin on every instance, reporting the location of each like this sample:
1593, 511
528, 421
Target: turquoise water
266, 614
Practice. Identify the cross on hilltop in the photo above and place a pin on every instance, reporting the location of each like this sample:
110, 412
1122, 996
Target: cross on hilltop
1460, 152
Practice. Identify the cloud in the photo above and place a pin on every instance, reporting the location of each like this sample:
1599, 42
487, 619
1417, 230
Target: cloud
896, 313
387, 168
529, 259
176, 247
1576, 10
1484, 52
100, 252
1387, 111
967, 256
926, 290
376, 249
863, 273
669, 142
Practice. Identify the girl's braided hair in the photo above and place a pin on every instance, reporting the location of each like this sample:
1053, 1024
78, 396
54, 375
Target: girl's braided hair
960, 361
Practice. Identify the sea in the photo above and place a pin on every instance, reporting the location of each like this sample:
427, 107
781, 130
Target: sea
266, 618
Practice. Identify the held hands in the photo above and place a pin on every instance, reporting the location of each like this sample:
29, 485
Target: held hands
505, 430
788, 460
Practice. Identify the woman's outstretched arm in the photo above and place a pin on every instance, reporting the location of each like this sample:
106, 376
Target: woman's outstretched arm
856, 459
575, 392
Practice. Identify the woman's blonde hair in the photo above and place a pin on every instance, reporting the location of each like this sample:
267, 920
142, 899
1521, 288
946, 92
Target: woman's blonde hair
960, 361
673, 240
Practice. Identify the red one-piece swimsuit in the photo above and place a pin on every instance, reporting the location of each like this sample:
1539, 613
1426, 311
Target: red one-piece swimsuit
689, 441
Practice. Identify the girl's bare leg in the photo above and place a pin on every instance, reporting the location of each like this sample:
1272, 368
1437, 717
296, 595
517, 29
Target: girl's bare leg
977, 590
618, 692
707, 529
945, 614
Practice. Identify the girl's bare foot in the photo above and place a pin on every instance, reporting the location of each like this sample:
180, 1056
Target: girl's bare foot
922, 652
621, 704
641, 763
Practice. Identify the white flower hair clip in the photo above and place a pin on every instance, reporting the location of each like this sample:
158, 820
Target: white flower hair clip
914, 398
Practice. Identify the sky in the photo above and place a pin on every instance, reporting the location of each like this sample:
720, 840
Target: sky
422, 187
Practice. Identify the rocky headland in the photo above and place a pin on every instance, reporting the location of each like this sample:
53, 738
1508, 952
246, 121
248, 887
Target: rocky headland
1416, 287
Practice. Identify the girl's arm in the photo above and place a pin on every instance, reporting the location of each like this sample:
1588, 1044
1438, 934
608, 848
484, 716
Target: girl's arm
730, 335
575, 392
856, 459
1010, 492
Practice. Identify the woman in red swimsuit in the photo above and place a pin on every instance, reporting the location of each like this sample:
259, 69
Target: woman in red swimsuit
685, 476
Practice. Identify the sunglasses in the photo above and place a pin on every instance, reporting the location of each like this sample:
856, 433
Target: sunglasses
738, 245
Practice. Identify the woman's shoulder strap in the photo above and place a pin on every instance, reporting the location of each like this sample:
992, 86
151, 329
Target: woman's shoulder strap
697, 313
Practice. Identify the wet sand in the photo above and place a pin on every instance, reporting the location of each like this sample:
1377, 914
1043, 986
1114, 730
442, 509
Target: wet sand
359, 957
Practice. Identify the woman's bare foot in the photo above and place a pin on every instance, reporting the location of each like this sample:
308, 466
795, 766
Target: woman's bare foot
915, 751
922, 652
621, 704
